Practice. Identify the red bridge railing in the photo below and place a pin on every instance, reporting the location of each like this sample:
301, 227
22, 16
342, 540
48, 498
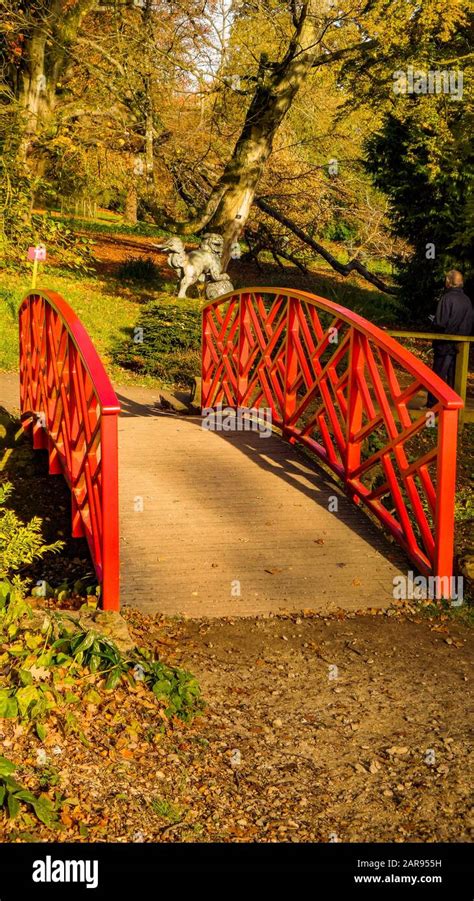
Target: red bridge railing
69, 405
342, 387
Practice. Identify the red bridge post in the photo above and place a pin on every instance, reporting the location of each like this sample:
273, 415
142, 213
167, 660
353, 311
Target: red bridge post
110, 511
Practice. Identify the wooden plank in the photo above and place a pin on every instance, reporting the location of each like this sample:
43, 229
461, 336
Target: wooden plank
201, 511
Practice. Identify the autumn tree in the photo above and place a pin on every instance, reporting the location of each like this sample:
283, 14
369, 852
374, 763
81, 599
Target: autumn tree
220, 114
372, 37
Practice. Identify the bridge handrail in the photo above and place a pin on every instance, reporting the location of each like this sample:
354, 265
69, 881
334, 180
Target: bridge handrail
461, 371
252, 356
401, 354
429, 336
69, 405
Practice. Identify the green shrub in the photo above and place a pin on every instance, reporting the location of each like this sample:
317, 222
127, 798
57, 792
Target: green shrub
166, 343
20, 544
139, 269
179, 368
168, 328
340, 231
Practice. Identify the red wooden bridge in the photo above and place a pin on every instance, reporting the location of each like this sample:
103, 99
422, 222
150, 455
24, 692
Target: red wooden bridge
228, 522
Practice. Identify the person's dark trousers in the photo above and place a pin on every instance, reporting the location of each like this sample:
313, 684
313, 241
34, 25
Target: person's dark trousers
444, 365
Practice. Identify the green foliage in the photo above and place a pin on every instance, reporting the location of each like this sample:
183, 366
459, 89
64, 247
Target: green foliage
464, 509
166, 809
20, 544
179, 368
39, 651
426, 171
89, 649
13, 795
339, 230
178, 688
72, 250
20, 228
15, 190
170, 342
168, 328
32, 648
49, 777
85, 587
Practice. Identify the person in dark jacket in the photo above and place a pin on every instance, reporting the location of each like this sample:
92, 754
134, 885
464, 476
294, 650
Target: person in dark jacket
454, 316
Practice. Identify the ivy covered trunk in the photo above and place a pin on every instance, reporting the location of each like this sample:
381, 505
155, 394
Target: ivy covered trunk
37, 80
45, 40
35, 60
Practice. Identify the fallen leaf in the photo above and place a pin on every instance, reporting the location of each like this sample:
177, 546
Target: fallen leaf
39, 673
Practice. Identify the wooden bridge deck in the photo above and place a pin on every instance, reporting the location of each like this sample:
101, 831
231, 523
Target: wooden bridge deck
204, 514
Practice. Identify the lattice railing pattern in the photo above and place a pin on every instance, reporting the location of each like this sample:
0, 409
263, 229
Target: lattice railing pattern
348, 391
69, 405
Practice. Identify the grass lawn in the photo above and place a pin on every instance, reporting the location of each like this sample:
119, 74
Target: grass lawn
108, 223
104, 313
108, 314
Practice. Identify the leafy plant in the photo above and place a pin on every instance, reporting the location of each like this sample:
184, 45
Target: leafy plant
177, 687
20, 544
38, 654
13, 795
464, 509
166, 809
90, 649
141, 269
48, 777
34, 649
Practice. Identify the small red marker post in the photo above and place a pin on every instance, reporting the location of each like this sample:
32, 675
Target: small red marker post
36, 255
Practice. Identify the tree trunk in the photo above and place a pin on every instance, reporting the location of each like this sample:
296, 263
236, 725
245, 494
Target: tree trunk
274, 95
131, 204
36, 92
44, 60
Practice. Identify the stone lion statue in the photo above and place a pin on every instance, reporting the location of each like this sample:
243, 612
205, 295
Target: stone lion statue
201, 265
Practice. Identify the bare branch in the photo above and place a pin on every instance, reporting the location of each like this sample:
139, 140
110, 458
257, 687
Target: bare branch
343, 269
